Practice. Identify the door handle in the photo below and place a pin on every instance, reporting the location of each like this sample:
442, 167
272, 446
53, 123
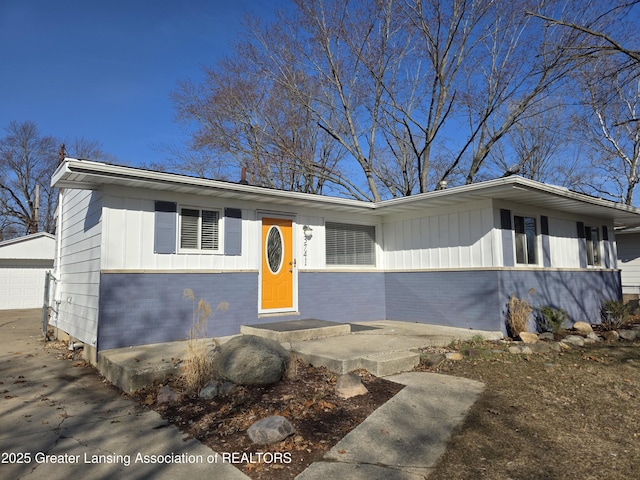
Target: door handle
293, 265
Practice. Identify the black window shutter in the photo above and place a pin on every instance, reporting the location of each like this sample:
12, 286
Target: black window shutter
544, 225
166, 222
232, 231
505, 219
582, 245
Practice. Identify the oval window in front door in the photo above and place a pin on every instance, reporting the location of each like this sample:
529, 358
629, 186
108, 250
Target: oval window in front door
275, 252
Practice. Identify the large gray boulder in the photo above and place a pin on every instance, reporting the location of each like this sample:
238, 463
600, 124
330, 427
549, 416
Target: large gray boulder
270, 430
250, 360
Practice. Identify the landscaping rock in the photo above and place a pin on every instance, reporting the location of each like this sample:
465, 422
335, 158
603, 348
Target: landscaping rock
611, 336
432, 359
350, 385
539, 347
594, 336
250, 360
582, 327
270, 430
548, 336
472, 353
454, 356
167, 395
628, 334
209, 391
225, 388
527, 337
555, 347
520, 350
576, 340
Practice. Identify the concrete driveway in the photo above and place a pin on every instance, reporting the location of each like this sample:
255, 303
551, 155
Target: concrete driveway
60, 420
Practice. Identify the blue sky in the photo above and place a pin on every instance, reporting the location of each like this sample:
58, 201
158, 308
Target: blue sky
103, 70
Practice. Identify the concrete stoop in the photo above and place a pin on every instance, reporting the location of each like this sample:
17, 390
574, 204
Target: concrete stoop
297, 330
131, 369
378, 364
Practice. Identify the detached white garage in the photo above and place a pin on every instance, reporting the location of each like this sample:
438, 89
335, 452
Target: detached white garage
24, 262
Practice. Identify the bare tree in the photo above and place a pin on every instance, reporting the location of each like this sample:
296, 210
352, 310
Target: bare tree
539, 147
27, 162
597, 27
606, 86
611, 124
380, 98
244, 119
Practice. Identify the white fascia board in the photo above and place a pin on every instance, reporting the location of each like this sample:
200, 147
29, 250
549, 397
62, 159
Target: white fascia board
85, 174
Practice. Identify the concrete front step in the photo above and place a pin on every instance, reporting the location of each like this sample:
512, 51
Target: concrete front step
379, 364
131, 369
297, 330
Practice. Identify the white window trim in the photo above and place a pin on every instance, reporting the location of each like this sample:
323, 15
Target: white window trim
199, 251
538, 245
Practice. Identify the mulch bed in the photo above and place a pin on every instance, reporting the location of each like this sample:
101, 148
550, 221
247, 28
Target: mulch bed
306, 398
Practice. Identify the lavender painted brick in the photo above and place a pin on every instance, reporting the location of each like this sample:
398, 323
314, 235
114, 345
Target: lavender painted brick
579, 292
342, 296
466, 299
138, 308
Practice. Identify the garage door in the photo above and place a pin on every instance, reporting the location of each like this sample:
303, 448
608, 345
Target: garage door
21, 287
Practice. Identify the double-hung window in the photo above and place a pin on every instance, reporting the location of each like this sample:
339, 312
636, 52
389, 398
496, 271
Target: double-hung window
526, 235
592, 237
348, 244
199, 229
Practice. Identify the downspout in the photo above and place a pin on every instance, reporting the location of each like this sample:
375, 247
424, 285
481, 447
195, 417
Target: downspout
56, 274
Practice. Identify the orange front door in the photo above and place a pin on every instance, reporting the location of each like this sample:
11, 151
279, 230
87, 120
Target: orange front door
277, 264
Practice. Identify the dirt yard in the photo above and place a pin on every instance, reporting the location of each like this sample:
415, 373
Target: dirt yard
574, 414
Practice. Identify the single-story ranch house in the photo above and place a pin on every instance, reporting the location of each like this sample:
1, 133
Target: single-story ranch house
130, 241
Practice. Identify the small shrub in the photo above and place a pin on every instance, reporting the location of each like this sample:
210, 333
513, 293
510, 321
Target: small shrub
518, 315
614, 314
551, 319
197, 368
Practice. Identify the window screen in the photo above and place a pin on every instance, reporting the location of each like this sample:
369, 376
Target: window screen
348, 244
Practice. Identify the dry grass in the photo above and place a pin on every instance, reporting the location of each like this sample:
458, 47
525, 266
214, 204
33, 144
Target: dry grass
197, 368
518, 316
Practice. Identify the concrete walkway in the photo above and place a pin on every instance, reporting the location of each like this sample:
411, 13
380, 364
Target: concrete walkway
53, 410
405, 437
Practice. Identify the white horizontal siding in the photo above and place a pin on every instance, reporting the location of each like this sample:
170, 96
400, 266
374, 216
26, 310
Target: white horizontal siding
79, 264
629, 261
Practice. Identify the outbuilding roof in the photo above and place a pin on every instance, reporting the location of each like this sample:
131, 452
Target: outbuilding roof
37, 246
90, 175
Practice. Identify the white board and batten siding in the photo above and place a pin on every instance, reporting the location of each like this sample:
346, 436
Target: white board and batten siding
80, 235
452, 238
129, 224
129, 229
24, 263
